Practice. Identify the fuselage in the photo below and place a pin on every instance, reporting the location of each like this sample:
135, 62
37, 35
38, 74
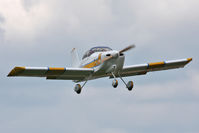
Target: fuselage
104, 62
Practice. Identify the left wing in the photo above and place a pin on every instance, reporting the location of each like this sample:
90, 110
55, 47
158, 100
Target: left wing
52, 72
142, 69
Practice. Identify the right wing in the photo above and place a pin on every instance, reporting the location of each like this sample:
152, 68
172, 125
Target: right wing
142, 69
53, 72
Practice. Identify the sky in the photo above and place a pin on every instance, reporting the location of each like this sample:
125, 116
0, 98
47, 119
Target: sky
43, 32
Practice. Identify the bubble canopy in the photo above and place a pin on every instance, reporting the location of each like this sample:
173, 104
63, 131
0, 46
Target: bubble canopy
96, 49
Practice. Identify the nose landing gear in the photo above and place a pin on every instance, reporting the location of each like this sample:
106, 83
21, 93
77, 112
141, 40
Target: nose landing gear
115, 81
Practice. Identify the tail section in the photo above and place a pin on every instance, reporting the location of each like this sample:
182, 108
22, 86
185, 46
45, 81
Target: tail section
75, 58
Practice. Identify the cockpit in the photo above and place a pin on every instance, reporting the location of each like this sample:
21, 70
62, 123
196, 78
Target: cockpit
95, 49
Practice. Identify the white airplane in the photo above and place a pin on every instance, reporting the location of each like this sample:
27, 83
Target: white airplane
96, 63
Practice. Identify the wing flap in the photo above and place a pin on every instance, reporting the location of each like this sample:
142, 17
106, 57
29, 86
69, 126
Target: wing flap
77, 78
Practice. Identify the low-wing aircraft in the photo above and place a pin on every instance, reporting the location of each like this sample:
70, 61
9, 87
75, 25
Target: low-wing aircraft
96, 63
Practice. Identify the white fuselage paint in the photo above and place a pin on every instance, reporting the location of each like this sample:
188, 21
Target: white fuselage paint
115, 64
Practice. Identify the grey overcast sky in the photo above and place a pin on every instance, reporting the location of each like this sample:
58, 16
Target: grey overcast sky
43, 32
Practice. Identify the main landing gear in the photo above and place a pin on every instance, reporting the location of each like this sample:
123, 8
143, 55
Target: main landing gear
129, 85
78, 87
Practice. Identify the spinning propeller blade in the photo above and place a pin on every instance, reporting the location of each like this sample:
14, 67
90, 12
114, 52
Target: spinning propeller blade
127, 48
107, 58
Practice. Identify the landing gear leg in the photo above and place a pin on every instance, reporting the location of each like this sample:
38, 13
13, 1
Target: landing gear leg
129, 85
115, 81
78, 87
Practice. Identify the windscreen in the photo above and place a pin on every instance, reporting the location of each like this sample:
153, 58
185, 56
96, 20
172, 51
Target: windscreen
96, 49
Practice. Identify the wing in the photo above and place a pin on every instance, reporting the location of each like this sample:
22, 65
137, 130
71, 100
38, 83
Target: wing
52, 72
150, 67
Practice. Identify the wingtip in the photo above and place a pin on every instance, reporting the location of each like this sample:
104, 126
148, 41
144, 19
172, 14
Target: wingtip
15, 71
189, 59
9, 75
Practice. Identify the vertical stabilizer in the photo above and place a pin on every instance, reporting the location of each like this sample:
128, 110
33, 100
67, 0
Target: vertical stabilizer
75, 58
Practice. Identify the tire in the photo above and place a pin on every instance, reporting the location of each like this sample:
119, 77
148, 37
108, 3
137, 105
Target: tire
115, 83
130, 85
78, 88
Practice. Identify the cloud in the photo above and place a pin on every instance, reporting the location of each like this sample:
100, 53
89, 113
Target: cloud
97, 22
2, 20
101, 109
42, 33
55, 106
185, 90
30, 19
21, 24
194, 81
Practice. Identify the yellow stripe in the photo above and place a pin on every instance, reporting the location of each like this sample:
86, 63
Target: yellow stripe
94, 63
57, 68
55, 71
16, 71
156, 64
117, 82
131, 83
99, 58
189, 59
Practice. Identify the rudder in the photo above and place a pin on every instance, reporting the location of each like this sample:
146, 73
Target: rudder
75, 58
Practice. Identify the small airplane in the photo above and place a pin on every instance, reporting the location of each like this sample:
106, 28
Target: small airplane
96, 63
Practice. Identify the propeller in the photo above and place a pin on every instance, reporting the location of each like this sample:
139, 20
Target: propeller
127, 48
107, 58
121, 51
